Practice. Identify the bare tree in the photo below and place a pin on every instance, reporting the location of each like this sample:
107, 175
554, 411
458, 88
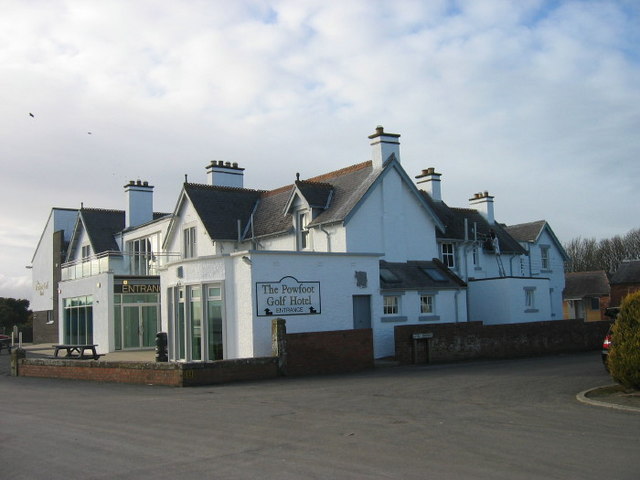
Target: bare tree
587, 254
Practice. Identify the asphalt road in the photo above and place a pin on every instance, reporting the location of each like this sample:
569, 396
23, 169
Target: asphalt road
516, 419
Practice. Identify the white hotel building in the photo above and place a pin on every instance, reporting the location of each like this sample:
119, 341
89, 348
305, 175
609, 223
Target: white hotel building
360, 247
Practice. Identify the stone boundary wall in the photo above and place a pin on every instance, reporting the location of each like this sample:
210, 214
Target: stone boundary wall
473, 340
149, 373
319, 353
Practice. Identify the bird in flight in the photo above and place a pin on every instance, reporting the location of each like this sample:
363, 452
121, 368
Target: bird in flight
31, 114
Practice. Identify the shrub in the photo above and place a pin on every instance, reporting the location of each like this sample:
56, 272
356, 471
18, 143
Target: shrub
624, 356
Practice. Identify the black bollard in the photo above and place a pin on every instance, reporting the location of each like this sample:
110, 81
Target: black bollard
161, 347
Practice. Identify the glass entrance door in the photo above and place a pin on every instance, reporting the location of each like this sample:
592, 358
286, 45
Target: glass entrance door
139, 326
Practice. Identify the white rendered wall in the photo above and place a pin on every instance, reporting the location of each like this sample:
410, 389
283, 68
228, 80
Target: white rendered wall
188, 217
336, 275
285, 243
555, 272
450, 307
42, 271
42, 263
335, 241
392, 220
101, 288
502, 300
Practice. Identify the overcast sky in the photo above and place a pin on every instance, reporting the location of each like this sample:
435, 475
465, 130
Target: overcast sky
536, 102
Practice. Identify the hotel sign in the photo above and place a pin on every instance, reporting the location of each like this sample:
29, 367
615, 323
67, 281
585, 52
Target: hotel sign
41, 287
287, 296
136, 288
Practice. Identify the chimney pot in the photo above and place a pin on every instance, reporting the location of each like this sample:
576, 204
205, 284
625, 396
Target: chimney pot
139, 203
483, 202
225, 174
429, 181
384, 145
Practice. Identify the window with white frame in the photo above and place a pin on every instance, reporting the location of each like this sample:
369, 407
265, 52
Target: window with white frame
391, 305
189, 242
302, 231
530, 298
544, 258
86, 251
196, 316
427, 304
142, 255
447, 253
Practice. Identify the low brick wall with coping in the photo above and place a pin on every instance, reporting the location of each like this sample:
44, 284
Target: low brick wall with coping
296, 354
150, 373
452, 342
337, 351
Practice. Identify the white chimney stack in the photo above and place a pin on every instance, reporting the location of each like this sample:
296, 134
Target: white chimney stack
225, 174
429, 180
139, 203
384, 144
483, 202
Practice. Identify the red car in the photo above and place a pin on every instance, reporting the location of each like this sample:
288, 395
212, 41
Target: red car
606, 345
611, 312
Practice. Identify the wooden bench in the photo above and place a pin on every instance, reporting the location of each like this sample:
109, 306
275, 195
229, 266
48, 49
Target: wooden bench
77, 352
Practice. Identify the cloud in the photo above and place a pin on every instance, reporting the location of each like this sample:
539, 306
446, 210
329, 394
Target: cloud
537, 102
15, 287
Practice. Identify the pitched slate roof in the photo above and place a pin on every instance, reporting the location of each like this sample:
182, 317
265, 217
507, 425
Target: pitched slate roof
220, 208
346, 188
628, 272
336, 193
102, 226
349, 186
527, 232
317, 194
454, 221
585, 284
270, 216
417, 275
530, 232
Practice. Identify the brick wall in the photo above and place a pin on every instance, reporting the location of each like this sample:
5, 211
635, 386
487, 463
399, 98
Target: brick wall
337, 351
43, 332
169, 374
225, 371
473, 340
619, 291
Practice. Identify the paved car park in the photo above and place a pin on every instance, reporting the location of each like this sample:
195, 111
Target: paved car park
511, 419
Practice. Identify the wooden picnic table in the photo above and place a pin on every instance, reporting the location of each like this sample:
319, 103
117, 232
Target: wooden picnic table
77, 351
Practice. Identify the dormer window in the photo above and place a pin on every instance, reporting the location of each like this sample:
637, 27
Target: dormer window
302, 231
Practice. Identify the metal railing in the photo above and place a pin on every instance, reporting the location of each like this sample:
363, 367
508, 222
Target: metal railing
117, 263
